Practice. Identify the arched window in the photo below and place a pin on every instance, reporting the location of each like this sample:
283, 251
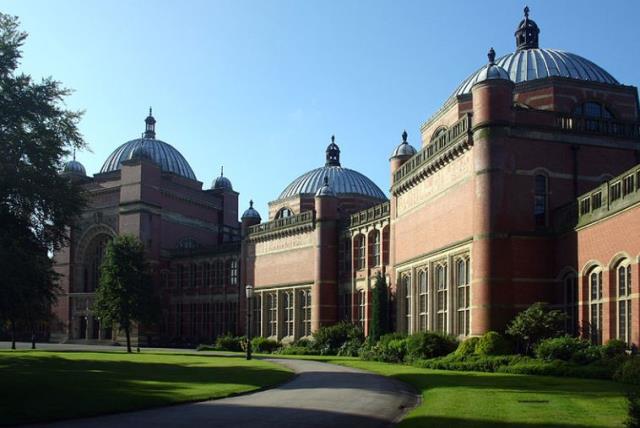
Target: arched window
571, 303
272, 314
463, 297
540, 200
284, 213
374, 248
385, 245
94, 256
358, 247
362, 308
423, 300
439, 132
593, 110
305, 306
595, 305
623, 287
406, 301
442, 302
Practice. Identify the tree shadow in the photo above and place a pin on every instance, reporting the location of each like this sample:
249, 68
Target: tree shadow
48, 387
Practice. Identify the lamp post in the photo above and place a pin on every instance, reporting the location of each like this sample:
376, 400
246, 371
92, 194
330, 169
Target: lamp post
249, 294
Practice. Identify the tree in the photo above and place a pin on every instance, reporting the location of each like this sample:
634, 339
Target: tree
125, 294
379, 309
37, 203
534, 324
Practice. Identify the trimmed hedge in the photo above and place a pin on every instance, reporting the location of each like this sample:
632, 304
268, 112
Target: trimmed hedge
493, 343
629, 371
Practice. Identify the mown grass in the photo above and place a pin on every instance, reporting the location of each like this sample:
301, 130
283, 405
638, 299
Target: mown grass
43, 386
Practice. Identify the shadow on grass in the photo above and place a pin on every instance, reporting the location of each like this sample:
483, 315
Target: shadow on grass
438, 421
43, 387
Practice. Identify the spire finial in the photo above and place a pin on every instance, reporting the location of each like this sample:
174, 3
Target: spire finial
150, 111
526, 12
251, 203
404, 136
492, 56
333, 153
333, 139
150, 129
74, 153
221, 170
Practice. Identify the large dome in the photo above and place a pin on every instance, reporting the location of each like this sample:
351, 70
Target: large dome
343, 181
530, 62
166, 156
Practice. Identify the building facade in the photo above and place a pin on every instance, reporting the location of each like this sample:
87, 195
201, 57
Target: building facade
525, 188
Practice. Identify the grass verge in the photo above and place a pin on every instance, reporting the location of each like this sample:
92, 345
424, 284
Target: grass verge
44, 386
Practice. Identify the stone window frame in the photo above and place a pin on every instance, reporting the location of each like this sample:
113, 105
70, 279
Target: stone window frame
441, 293
305, 311
272, 314
373, 248
288, 311
463, 295
362, 307
595, 303
359, 249
284, 212
623, 289
424, 298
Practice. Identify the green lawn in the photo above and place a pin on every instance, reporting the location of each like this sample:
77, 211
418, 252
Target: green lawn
469, 399
41, 385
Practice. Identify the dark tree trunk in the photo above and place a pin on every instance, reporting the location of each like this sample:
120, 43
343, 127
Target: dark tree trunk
33, 338
128, 334
13, 334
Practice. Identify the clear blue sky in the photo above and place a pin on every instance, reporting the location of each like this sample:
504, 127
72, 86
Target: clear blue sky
260, 86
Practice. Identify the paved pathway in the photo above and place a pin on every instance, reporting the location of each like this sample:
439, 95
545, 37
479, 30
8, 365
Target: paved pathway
321, 395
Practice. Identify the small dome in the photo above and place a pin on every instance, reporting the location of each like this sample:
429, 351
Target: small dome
325, 190
141, 152
404, 148
492, 71
251, 212
73, 167
222, 182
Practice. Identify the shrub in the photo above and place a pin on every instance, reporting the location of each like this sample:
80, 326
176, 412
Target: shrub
264, 345
563, 348
295, 350
614, 348
532, 366
469, 363
229, 342
493, 343
588, 355
379, 309
534, 324
391, 348
429, 345
633, 420
468, 346
332, 339
629, 371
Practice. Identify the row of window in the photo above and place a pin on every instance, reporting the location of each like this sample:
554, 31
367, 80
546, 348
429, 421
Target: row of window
282, 314
433, 301
203, 321
207, 274
619, 189
371, 250
594, 321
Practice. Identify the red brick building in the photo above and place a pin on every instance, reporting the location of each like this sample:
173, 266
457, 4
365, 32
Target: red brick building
525, 188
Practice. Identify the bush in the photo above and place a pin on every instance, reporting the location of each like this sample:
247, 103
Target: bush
229, 343
468, 346
469, 363
633, 420
429, 345
565, 348
343, 337
493, 343
534, 324
295, 350
391, 348
264, 345
629, 371
614, 348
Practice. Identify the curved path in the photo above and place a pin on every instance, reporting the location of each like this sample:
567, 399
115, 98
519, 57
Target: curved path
321, 395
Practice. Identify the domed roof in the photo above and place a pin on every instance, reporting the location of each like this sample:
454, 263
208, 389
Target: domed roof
343, 181
141, 152
492, 71
250, 212
530, 62
222, 182
74, 167
166, 156
404, 148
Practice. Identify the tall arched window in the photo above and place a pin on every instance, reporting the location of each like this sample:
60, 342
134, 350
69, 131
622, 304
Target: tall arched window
423, 300
406, 301
385, 246
571, 303
272, 314
94, 256
374, 248
540, 200
305, 299
288, 312
595, 305
284, 213
362, 307
442, 302
623, 279
359, 250
463, 297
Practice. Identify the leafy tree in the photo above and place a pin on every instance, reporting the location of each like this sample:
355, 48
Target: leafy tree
535, 323
37, 203
379, 309
125, 294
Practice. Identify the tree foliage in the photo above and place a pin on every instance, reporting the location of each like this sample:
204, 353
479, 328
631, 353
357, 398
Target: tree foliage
125, 294
37, 203
534, 324
380, 309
